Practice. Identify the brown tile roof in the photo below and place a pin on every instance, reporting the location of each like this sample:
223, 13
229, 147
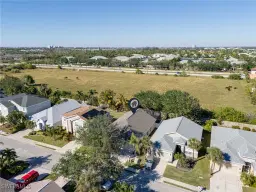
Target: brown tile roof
79, 111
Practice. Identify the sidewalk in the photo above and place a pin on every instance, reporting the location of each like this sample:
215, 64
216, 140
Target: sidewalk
71, 146
191, 187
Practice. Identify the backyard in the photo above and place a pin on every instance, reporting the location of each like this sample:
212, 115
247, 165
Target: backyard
198, 176
211, 92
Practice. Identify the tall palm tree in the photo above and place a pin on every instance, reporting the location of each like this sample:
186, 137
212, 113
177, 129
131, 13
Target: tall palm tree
141, 145
194, 144
216, 156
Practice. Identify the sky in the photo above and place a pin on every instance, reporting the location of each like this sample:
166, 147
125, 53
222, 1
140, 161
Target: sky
121, 23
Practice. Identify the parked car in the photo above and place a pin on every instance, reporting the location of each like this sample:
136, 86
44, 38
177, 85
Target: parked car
149, 162
108, 185
27, 179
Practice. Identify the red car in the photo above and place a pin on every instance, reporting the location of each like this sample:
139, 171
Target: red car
26, 179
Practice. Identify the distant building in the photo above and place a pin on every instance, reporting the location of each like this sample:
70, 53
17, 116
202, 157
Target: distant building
253, 73
98, 57
137, 56
122, 58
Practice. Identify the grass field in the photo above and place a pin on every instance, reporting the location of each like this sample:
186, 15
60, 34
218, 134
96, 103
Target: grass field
198, 176
210, 92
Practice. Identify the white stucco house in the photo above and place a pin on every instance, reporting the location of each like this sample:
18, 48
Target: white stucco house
238, 147
173, 134
28, 104
73, 120
52, 116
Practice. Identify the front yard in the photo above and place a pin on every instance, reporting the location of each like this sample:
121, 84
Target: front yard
198, 176
47, 139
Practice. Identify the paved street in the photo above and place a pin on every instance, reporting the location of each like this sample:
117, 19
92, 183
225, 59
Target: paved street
37, 156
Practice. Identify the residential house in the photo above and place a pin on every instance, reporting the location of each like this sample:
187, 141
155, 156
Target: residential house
28, 104
157, 55
43, 186
167, 57
137, 56
173, 135
122, 58
98, 57
52, 116
141, 123
76, 118
253, 73
238, 147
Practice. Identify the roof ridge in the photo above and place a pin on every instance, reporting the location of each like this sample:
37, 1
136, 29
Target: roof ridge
179, 123
246, 139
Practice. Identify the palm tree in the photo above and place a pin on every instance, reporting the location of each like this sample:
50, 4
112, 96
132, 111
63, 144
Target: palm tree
121, 103
194, 144
141, 145
7, 157
216, 156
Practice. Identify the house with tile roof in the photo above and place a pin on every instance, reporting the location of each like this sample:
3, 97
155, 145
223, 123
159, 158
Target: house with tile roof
52, 116
238, 147
73, 120
28, 104
173, 134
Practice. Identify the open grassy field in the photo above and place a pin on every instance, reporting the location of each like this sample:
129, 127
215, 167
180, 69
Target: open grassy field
210, 92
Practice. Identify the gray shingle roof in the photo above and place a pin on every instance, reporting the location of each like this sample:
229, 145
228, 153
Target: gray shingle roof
235, 144
141, 121
181, 125
29, 100
7, 104
12, 97
6, 186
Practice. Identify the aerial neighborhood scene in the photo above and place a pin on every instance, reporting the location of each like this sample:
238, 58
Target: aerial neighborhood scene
128, 96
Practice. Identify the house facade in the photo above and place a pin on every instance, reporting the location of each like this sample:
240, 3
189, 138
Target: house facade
28, 104
53, 115
253, 73
238, 147
173, 134
73, 120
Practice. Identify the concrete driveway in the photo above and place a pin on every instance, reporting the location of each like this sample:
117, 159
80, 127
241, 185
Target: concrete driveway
226, 180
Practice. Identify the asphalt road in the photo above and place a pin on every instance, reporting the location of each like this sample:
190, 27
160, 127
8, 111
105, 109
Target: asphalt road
36, 156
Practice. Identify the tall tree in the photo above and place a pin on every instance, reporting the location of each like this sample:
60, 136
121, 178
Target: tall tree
16, 118
97, 159
107, 97
216, 156
150, 100
11, 85
194, 144
121, 103
28, 79
7, 158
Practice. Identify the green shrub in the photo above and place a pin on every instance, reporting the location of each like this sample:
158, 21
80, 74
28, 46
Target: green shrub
235, 127
230, 114
32, 133
252, 121
208, 125
156, 73
217, 77
138, 71
59, 67
247, 179
15, 71
253, 130
235, 77
246, 129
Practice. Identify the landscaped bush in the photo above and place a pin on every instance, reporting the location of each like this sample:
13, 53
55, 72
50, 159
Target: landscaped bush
253, 130
246, 129
208, 125
32, 133
252, 121
230, 114
235, 77
235, 127
248, 179
15, 71
138, 71
17, 167
217, 77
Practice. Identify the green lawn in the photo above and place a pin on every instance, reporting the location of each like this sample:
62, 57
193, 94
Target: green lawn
210, 92
115, 114
249, 189
47, 140
199, 176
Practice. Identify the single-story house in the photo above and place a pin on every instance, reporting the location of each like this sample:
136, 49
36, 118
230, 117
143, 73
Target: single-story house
137, 56
28, 104
52, 116
253, 73
98, 57
76, 118
141, 123
43, 186
173, 134
122, 58
238, 147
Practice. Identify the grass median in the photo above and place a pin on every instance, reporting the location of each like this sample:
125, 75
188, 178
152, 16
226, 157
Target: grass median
47, 140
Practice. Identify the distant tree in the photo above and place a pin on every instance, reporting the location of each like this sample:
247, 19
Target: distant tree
216, 156
235, 77
11, 85
177, 103
194, 144
28, 79
150, 100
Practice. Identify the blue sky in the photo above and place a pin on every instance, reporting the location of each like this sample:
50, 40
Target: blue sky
128, 23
